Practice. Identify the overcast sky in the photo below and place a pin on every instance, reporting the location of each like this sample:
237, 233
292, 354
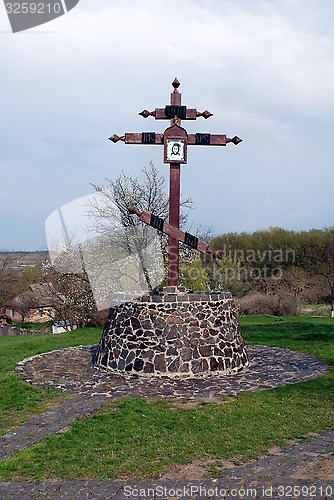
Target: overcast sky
264, 68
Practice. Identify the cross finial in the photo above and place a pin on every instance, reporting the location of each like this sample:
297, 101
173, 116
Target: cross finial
175, 97
176, 84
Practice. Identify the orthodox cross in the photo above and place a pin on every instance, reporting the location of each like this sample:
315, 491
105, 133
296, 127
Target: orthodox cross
175, 140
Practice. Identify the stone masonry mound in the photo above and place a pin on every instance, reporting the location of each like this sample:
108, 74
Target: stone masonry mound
173, 333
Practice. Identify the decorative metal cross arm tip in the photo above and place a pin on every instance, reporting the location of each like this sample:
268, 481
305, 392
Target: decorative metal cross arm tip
146, 113
134, 211
115, 138
206, 114
236, 140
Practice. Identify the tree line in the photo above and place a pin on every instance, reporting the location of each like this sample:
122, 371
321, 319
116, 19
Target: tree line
299, 263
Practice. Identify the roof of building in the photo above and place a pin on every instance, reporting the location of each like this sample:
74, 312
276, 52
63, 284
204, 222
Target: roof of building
37, 295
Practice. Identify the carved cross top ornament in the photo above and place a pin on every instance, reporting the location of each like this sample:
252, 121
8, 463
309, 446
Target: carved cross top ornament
175, 140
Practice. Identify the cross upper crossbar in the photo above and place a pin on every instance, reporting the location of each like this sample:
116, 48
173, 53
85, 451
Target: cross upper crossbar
175, 109
193, 139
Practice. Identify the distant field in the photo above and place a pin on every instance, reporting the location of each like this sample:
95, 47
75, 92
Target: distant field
18, 261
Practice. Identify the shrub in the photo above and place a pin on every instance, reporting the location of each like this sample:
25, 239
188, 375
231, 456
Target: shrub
276, 305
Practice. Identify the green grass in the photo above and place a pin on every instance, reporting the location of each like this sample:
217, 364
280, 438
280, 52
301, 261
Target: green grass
136, 438
316, 310
311, 335
46, 326
20, 401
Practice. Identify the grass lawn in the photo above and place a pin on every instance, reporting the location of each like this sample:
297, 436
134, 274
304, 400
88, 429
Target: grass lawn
20, 401
138, 438
311, 335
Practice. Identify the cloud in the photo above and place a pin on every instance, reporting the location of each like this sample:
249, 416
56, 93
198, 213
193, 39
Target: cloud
264, 68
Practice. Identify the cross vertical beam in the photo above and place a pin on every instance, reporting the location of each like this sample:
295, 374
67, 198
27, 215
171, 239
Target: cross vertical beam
174, 220
174, 202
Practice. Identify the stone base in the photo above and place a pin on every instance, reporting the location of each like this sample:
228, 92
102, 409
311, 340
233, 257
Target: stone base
173, 333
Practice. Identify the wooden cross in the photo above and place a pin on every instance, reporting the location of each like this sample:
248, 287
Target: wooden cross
175, 140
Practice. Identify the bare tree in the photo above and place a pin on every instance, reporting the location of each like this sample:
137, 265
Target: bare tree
72, 297
125, 191
14, 276
147, 195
